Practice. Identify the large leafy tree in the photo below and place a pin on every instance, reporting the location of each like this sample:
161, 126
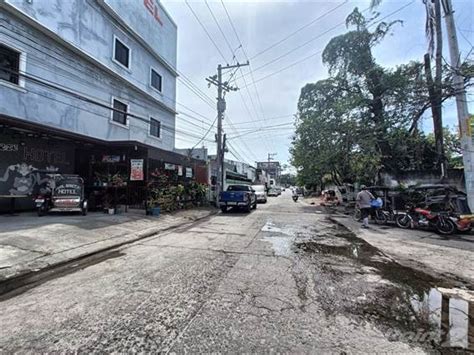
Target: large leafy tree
361, 119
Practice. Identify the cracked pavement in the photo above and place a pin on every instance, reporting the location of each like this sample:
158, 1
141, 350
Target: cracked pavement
280, 279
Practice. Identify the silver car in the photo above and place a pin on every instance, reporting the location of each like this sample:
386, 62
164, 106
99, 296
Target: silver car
261, 193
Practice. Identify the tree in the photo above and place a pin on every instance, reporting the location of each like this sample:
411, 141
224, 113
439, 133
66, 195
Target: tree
433, 32
350, 125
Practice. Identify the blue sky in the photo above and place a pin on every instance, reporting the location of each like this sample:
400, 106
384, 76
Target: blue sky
269, 94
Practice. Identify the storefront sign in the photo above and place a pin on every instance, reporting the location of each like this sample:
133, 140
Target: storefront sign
111, 158
136, 169
189, 172
8, 147
39, 155
170, 166
153, 10
180, 170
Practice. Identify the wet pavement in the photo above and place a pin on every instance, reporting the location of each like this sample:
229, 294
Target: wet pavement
283, 278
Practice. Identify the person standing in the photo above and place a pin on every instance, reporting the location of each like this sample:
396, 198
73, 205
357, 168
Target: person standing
363, 200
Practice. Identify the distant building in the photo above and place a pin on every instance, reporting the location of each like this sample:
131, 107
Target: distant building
235, 172
196, 153
272, 168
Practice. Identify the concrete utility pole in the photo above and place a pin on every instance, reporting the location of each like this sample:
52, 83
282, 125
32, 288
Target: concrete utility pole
461, 102
222, 88
270, 156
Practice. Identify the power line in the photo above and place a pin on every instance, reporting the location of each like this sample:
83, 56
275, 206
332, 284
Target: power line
205, 135
80, 96
229, 18
221, 31
204, 97
298, 30
268, 118
217, 47
321, 50
205, 30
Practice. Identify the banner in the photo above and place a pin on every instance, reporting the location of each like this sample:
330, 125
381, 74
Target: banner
136, 169
180, 170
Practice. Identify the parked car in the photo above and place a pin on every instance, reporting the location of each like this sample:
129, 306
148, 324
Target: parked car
272, 191
239, 196
261, 193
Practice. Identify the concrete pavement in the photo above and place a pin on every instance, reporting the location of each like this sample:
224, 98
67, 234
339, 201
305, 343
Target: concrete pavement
280, 279
29, 244
439, 255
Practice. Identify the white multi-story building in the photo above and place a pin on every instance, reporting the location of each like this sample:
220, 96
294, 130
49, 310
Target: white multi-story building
84, 79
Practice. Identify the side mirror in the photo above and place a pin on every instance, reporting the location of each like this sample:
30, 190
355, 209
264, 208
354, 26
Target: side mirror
252, 190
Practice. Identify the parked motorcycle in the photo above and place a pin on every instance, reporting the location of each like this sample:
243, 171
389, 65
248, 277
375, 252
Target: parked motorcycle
378, 215
422, 218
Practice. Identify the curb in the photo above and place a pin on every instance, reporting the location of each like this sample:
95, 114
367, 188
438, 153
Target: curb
34, 275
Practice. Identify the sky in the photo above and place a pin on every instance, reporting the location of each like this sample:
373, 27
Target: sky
259, 116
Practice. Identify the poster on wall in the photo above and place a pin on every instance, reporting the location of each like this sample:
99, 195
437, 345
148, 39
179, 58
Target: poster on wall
189, 172
180, 170
169, 166
136, 169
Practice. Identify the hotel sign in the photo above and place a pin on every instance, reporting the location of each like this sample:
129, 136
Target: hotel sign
153, 9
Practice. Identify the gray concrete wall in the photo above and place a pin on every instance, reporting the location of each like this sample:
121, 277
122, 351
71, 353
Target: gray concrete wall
455, 178
87, 26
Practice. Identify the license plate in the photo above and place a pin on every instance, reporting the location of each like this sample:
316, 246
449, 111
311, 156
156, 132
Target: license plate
231, 203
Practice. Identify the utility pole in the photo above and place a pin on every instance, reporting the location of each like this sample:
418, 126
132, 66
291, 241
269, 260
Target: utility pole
270, 156
461, 102
222, 88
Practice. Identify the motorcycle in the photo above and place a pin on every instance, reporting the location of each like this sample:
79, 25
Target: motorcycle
378, 215
422, 218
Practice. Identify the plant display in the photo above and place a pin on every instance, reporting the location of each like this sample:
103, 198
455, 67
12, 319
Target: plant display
163, 191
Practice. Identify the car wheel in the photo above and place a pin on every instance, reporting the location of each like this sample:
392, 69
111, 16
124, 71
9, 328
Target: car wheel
85, 208
224, 209
248, 208
254, 206
41, 211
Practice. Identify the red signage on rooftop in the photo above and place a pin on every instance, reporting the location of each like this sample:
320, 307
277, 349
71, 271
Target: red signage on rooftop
152, 8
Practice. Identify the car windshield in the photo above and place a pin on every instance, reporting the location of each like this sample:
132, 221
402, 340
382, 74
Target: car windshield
238, 188
258, 188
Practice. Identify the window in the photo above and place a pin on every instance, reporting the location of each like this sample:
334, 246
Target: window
119, 117
156, 80
121, 53
9, 65
155, 128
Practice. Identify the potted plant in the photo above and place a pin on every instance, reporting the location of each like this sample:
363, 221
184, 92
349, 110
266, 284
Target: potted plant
153, 207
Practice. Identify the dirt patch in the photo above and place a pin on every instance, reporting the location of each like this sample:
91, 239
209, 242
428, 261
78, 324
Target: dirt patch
353, 277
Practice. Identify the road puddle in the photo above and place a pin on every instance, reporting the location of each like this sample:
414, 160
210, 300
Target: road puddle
410, 304
450, 312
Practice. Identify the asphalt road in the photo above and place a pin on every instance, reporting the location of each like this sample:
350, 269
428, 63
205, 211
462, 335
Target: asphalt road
235, 282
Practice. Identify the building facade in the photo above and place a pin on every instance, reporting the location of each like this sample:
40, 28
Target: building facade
84, 83
272, 168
